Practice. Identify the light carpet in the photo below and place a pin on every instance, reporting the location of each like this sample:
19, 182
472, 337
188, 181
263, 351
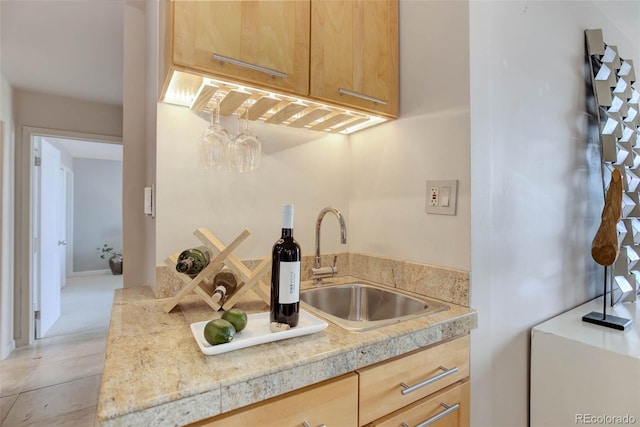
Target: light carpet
85, 304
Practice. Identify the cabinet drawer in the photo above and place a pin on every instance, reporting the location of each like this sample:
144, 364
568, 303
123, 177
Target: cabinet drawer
447, 408
424, 371
333, 403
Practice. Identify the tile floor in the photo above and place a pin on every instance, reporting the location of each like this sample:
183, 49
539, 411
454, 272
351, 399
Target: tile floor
54, 382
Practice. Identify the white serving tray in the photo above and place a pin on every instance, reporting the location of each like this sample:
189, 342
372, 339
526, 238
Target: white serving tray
257, 331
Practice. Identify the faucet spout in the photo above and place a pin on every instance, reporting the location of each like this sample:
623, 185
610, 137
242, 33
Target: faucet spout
318, 271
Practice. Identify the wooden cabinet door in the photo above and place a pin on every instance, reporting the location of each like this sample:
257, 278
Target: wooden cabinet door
448, 408
273, 35
354, 48
333, 403
381, 390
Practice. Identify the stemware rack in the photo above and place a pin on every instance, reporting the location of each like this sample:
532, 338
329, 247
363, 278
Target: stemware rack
201, 285
198, 93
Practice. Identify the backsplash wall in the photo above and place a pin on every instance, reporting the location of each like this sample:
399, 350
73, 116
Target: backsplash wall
308, 169
441, 283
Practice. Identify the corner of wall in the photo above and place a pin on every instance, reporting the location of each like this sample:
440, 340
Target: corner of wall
7, 348
7, 218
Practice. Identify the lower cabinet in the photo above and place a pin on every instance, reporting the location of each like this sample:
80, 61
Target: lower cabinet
429, 386
393, 384
446, 408
331, 403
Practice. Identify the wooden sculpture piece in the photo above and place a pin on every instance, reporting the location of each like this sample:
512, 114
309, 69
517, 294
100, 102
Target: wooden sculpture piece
605, 247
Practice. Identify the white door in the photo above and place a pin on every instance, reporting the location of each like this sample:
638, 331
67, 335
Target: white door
49, 243
62, 225
68, 214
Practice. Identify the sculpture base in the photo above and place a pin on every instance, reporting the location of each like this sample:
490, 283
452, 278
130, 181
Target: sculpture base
615, 322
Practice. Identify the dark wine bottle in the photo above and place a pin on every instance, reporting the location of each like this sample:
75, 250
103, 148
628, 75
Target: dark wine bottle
192, 261
285, 274
225, 283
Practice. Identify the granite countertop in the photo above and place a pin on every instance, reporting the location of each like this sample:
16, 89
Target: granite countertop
155, 374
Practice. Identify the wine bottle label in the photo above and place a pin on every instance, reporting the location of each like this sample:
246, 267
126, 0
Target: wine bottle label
289, 285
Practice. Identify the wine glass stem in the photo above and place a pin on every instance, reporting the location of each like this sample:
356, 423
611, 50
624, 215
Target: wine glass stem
217, 111
246, 121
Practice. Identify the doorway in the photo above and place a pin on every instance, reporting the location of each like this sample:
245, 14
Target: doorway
70, 288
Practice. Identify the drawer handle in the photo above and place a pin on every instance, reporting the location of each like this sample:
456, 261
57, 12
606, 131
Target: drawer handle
448, 409
224, 59
306, 424
408, 389
343, 91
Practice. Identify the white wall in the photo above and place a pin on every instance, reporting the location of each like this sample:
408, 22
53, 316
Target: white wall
308, 169
97, 211
6, 222
531, 227
57, 112
430, 140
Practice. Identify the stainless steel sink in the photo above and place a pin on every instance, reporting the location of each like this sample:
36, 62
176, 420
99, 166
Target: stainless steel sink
360, 307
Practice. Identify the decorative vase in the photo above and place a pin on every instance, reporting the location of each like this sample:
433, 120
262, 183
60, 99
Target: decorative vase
115, 263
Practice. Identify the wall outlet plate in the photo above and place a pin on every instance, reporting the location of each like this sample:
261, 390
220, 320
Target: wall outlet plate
442, 197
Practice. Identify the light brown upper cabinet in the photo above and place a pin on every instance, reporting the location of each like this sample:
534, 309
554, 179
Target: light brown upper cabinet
261, 42
354, 54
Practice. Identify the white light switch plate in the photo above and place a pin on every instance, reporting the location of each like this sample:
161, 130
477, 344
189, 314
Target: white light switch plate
442, 197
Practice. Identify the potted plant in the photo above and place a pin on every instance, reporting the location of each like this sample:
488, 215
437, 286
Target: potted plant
115, 259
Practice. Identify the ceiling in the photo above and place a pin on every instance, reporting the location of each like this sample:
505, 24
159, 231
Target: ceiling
72, 48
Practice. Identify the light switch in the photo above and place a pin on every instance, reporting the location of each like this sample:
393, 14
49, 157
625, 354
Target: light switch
149, 205
445, 193
441, 197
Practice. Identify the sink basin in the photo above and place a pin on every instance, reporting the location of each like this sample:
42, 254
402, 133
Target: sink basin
360, 307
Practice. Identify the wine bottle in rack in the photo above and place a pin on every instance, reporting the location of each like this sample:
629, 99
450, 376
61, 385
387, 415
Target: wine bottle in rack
192, 261
285, 273
225, 284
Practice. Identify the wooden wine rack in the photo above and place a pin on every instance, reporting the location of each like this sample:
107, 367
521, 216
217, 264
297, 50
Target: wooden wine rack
200, 285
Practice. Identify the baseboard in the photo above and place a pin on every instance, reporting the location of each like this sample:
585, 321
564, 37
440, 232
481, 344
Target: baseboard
7, 349
90, 273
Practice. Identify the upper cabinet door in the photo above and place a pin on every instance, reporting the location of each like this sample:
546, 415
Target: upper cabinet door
354, 53
262, 42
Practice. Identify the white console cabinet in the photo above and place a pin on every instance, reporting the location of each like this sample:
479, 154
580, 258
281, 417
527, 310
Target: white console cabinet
583, 373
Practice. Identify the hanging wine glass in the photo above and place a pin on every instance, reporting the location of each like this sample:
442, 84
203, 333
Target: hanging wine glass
214, 142
245, 151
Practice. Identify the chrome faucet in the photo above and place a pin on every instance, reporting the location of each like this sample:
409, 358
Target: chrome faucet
320, 272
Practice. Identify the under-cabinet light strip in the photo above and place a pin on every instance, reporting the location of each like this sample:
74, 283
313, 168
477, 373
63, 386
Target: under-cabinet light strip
191, 91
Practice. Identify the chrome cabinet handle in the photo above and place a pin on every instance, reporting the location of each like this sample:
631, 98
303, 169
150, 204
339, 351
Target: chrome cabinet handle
62, 243
408, 389
436, 417
343, 91
224, 59
306, 424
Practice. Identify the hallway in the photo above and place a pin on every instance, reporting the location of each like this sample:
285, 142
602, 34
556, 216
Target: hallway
85, 304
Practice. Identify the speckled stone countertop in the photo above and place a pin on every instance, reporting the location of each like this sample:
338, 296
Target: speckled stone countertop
155, 374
